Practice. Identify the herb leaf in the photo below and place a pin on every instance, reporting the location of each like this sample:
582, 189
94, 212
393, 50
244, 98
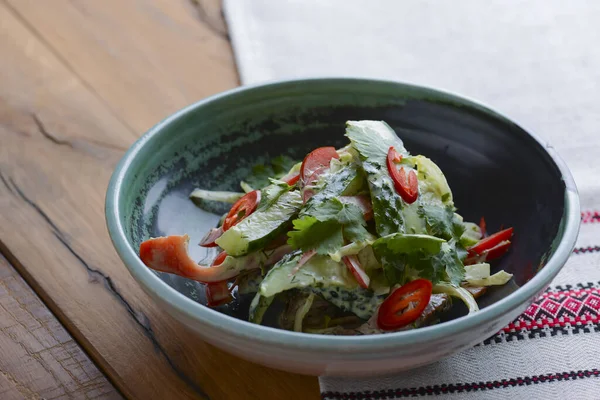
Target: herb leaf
259, 177
372, 140
397, 251
441, 221
323, 230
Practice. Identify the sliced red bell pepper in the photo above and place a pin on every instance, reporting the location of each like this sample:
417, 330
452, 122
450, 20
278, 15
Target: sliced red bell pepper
242, 209
219, 259
307, 191
209, 239
291, 180
490, 248
404, 305
491, 241
483, 227
170, 254
218, 293
488, 255
407, 188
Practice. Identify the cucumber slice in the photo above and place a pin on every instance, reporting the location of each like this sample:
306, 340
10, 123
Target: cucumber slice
261, 227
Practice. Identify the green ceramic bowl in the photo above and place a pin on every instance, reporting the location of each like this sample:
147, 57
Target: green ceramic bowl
494, 168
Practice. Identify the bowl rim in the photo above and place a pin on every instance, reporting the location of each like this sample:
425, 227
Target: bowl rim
151, 283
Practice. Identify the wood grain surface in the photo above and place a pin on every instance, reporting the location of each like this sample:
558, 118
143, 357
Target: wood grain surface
79, 82
38, 358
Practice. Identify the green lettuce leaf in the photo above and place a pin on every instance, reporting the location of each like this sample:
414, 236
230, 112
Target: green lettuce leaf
479, 275
372, 140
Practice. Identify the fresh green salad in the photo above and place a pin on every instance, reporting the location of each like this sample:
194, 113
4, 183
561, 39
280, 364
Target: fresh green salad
358, 240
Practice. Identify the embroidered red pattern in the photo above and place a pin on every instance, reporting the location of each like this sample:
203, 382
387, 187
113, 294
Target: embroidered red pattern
588, 217
559, 309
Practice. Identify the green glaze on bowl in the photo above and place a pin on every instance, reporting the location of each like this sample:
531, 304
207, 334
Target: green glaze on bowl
493, 166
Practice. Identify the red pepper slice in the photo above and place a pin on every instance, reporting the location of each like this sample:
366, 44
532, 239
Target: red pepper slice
209, 239
407, 188
170, 254
242, 209
487, 255
491, 241
497, 251
490, 248
218, 293
483, 227
291, 180
316, 159
359, 273
307, 191
219, 259
404, 305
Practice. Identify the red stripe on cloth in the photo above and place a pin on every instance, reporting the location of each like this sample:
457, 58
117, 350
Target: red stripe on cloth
589, 249
462, 387
589, 217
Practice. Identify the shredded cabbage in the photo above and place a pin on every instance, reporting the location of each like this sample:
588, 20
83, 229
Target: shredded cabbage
351, 249
479, 275
225, 197
302, 311
245, 187
431, 179
472, 234
457, 291
259, 307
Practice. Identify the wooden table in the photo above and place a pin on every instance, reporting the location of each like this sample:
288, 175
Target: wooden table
80, 80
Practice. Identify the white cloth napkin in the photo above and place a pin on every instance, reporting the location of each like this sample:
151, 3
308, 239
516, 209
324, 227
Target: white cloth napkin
536, 61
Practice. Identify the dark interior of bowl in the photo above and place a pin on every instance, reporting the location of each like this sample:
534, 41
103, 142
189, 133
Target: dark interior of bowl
494, 168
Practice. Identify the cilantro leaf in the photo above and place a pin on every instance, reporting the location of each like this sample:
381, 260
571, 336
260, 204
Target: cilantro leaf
310, 233
441, 221
270, 194
443, 266
394, 266
427, 266
259, 177
400, 243
387, 204
355, 232
334, 209
425, 256
324, 229
338, 184
372, 140
397, 251
450, 258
